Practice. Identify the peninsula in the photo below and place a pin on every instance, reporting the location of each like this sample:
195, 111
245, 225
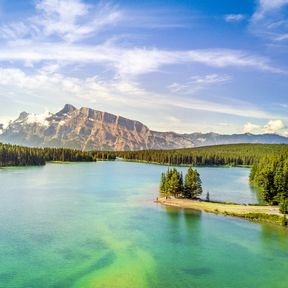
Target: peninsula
257, 213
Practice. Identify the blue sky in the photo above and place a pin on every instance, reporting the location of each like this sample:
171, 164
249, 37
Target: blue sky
174, 65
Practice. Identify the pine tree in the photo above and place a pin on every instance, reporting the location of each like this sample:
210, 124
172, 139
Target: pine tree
193, 184
162, 183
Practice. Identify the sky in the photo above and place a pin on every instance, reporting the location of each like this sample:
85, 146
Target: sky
184, 66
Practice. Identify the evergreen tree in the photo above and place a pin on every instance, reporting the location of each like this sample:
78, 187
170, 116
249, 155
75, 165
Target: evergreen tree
162, 182
193, 184
171, 183
174, 185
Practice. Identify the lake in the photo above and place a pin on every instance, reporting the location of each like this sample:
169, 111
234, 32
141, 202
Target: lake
96, 225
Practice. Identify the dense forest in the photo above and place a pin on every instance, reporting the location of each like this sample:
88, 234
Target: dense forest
172, 184
233, 155
13, 155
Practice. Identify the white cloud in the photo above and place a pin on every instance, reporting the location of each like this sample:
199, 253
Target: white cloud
210, 79
71, 20
265, 7
273, 126
5, 121
234, 17
250, 127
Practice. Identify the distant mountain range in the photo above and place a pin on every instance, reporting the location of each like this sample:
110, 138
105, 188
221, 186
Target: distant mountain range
88, 129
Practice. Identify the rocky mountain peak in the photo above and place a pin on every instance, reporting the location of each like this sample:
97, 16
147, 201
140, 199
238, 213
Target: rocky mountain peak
66, 109
23, 115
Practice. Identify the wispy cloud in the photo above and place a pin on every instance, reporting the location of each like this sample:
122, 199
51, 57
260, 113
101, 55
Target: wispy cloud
56, 32
94, 89
198, 82
270, 20
71, 20
268, 7
234, 17
127, 61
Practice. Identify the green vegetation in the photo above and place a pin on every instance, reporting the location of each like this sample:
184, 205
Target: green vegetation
232, 155
193, 184
103, 155
270, 174
13, 155
171, 184
66, 155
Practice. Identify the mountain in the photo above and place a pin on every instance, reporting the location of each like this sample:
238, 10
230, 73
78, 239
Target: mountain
88, 129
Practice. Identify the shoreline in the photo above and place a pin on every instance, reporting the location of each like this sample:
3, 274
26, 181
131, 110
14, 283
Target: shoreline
182, 165
255, 213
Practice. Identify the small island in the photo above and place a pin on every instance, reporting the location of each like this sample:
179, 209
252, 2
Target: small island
176, 192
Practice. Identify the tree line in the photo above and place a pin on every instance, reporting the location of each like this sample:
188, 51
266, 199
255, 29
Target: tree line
14, 155
172, 184
232, 155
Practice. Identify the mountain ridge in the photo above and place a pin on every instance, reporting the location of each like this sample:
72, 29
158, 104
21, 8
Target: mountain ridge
89, 129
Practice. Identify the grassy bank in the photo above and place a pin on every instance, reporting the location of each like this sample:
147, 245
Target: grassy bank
254, 213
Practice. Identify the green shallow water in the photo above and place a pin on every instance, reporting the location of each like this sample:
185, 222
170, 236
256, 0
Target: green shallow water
95, 225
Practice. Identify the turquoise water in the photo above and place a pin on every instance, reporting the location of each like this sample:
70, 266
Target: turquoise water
95, 225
